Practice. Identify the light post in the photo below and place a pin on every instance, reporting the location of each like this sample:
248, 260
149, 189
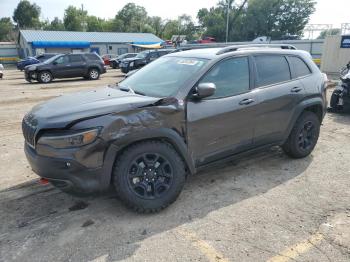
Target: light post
227, 18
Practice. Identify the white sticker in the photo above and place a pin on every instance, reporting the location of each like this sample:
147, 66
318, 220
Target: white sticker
188, 62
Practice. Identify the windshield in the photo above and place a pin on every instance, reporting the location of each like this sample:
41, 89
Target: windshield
48, 61
122, 56
163, 77
142, 54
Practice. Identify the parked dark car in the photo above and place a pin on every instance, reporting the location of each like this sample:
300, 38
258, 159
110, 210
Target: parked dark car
180, 114
143, 58
21, 64
87, 65
114, 63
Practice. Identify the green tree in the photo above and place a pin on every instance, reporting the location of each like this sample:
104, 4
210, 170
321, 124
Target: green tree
6, 28
75, 19
213, 21
132, 17
55, 25
273, 18
333, 31
157, 24
113, 25
95, 24
171, 28
26, 15
276, 18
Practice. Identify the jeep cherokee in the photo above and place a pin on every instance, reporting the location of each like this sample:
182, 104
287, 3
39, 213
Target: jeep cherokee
175, 116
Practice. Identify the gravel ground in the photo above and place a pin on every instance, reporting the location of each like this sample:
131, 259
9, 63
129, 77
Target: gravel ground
267, 207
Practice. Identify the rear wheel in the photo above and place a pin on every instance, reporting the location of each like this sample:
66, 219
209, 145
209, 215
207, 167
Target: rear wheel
334, 100
303, 138
149, 176
44, 77
94, 74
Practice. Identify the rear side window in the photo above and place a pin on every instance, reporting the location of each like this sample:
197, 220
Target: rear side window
153, 55
76, 58
271, 69
230, 76
93, 57
298, 67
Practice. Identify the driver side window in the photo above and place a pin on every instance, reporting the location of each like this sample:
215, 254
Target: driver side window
62, 60
231, 77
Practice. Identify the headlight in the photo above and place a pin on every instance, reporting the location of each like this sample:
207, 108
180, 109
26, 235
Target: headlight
32, 68
131, 64
68, 140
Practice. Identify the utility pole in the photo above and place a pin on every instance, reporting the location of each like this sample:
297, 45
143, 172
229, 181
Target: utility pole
227, 18
83, 22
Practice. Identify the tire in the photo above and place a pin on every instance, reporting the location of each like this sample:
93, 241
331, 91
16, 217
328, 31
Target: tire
94, 74
334, 100
303, 138
149, 176
114, 65
45, 77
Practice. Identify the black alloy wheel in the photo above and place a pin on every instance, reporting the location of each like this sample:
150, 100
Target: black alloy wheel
307, 136
150, 175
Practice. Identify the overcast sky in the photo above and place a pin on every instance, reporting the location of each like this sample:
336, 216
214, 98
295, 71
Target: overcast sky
327, 11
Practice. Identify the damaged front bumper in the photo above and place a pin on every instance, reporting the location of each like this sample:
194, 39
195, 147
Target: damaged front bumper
30, 76
79, 171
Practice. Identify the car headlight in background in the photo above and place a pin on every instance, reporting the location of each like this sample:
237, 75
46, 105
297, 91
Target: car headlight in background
68, 140
131, 64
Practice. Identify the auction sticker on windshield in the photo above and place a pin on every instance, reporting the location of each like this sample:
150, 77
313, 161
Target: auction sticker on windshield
188, 62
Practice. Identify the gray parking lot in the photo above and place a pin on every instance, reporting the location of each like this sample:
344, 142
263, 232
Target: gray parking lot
267, 207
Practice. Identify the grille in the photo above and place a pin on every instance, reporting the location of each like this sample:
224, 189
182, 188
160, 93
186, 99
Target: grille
29, 125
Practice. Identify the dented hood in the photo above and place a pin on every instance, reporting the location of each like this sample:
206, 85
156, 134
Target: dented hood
61, 111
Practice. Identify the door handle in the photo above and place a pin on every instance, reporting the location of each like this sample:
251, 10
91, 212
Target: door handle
246, 101
68, 65
296, 89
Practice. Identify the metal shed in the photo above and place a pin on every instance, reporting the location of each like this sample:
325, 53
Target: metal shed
32, 42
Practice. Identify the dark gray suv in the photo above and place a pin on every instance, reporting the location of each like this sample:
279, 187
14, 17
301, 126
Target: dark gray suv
177, 115
87, 65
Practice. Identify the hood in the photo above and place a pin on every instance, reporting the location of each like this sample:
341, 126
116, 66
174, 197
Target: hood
61, 111
36, 65
28, 59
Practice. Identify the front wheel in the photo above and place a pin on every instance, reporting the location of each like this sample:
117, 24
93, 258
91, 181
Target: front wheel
149, 176
45, 77
94, 74
303, 138
334, 103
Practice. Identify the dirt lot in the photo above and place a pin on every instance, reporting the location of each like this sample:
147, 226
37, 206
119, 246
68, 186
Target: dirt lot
265, 208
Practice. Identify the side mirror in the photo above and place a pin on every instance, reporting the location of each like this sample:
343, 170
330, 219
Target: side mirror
204, 90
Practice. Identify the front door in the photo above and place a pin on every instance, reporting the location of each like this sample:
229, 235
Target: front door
223, 124
61, 66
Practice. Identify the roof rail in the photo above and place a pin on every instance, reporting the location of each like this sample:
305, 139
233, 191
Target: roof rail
234, 48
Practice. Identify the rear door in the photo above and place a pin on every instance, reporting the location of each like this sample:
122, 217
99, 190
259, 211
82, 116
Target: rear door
278, 94
223, 124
